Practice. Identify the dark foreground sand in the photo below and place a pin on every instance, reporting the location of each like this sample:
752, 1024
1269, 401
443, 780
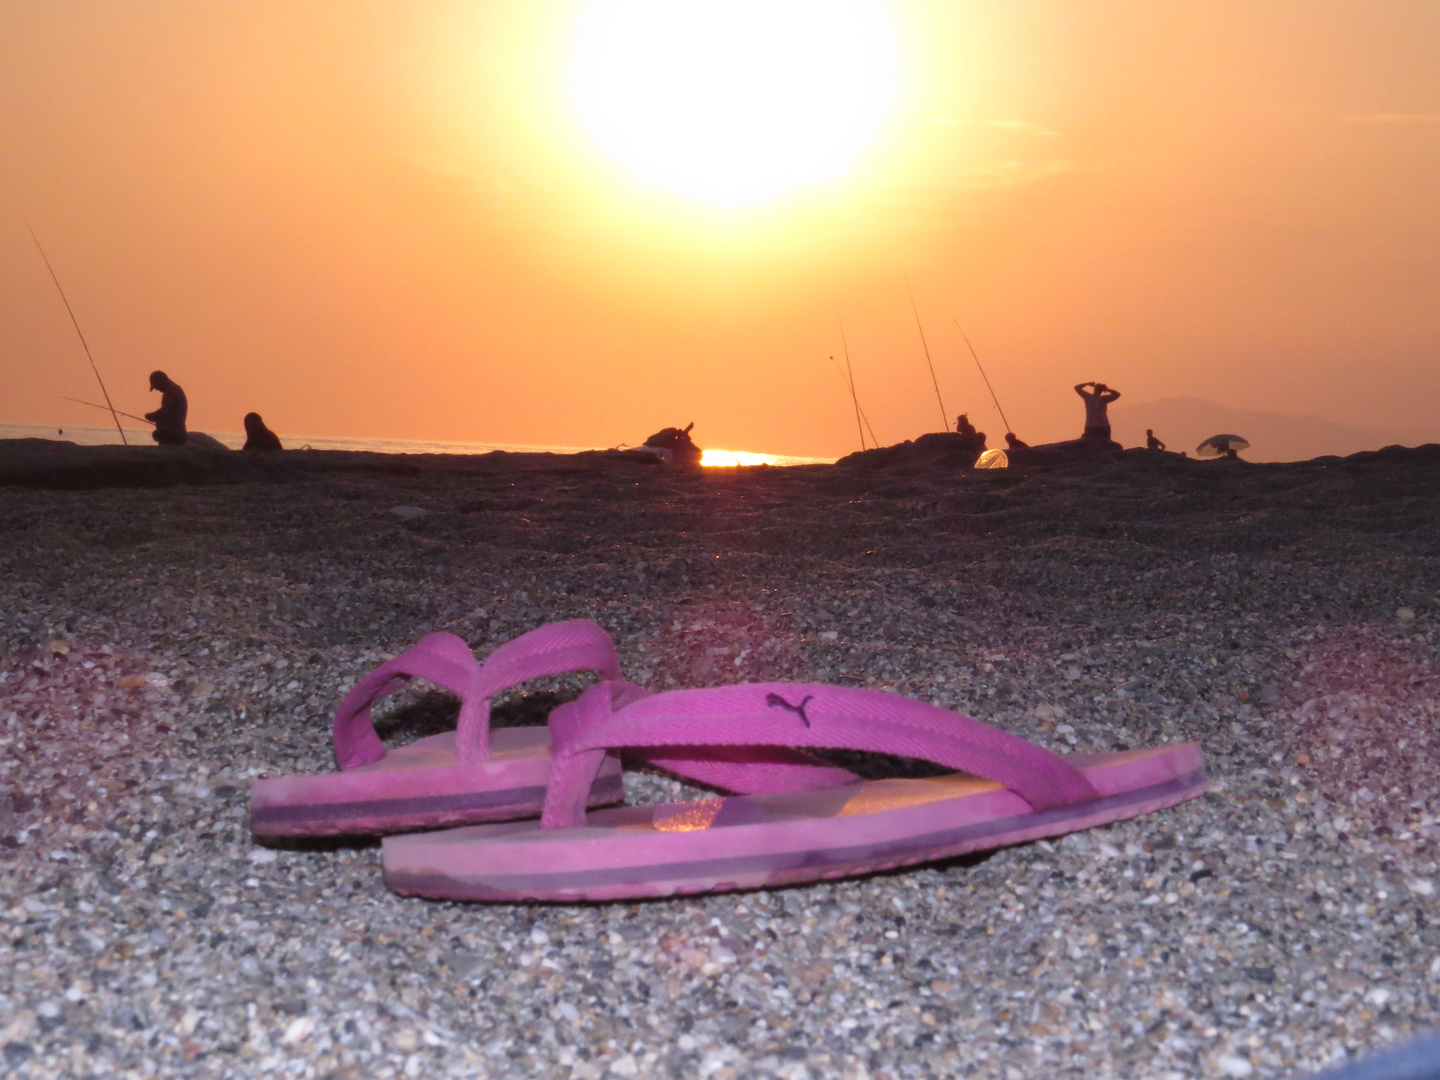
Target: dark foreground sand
163, 645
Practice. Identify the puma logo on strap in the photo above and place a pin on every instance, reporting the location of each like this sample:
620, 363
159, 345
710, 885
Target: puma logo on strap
776, 701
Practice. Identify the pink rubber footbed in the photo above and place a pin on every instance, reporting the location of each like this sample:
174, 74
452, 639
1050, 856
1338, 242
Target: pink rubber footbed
476, 775
1009, 790
459, 776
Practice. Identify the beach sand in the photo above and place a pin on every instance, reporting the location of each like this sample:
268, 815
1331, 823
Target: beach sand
165, 643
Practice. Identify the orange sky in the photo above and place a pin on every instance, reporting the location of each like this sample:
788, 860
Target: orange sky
383, 219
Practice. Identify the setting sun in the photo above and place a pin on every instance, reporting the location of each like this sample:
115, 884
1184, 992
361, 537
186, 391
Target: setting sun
734, 102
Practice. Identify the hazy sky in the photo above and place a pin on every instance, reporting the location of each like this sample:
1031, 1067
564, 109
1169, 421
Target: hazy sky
404, 219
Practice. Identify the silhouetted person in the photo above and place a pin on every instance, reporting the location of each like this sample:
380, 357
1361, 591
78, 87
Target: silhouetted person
169, 419
1097, 420
1151, 442
1014, 441
971, 441
683, 450
258, 436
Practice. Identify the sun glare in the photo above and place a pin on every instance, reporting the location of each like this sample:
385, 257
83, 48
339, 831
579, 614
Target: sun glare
734, 102
727, 459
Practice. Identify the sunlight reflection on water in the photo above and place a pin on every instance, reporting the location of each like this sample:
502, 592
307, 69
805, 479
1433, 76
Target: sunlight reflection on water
730, 458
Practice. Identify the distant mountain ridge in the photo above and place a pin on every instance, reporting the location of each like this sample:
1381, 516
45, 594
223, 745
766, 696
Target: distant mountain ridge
1182, 423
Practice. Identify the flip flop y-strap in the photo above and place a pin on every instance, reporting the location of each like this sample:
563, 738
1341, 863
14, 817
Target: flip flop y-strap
748, 770
796, 715
740, 770
581, 645
574, 645
445, 660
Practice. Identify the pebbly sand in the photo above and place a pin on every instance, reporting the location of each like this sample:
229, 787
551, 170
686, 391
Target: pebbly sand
162, 645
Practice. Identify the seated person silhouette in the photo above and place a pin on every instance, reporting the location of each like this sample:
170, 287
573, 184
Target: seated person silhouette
1014, 441
258, 436
971, 440
677, 442
169, 419
1097, 420
1151, 442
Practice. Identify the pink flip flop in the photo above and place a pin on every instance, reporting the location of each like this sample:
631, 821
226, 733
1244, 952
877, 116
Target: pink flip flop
457, 777
1010, 791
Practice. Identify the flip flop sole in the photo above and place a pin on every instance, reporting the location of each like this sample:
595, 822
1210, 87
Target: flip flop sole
752, 842
419, 786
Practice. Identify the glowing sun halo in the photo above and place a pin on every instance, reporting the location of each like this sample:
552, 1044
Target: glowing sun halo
733, 102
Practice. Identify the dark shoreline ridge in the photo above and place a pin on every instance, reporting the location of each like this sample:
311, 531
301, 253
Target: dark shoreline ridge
50, 464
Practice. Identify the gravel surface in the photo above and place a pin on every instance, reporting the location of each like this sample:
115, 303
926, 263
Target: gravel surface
161, 647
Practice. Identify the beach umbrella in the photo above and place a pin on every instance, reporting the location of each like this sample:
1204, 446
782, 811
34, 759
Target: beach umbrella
1221, 446
993, 459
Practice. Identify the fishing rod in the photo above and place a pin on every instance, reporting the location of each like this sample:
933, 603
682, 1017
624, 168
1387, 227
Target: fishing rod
859, 411
851, 387
850, 382
83, 344
944, 416
984, 376
128, 416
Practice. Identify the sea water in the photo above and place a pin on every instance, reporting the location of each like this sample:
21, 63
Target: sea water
108, 436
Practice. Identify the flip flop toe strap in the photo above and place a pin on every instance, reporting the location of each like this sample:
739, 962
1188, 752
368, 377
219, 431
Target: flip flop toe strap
445, 660
742, 769
748, 770
574, 645
798, 715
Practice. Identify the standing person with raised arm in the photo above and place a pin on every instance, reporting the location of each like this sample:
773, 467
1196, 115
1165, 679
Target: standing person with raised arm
1097, 398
